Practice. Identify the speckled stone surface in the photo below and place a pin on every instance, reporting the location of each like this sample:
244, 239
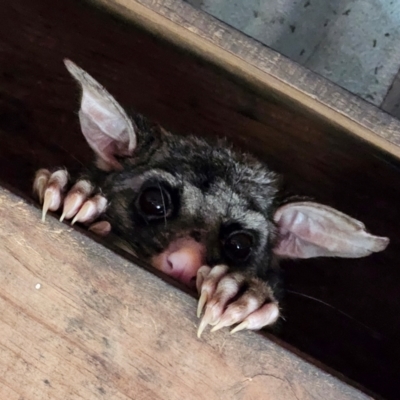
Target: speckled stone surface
354, 43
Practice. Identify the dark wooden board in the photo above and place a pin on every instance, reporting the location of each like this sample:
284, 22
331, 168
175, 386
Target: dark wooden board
324, 159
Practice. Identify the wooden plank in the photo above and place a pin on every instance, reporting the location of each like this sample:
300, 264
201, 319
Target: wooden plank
79, 322
261, 66
391, 102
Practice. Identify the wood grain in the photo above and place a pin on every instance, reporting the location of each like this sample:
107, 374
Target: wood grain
79, 322
197, 91
391, 102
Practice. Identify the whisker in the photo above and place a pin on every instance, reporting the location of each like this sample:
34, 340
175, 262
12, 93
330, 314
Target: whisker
375, 333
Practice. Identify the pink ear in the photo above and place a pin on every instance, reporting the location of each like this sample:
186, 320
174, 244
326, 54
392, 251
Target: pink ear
309, 229
104, 123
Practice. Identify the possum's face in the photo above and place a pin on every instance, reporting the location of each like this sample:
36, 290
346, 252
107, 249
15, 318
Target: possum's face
181, 203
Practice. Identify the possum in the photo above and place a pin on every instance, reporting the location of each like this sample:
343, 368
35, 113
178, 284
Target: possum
205, 214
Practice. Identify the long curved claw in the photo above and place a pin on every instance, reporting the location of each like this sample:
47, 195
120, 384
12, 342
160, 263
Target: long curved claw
206, 282
264, 316
240, 327
75, 198
202, 274
48, 198
211, 317
203, 324
237, 312
50, 188
52, 200
42, 177
91, 209
226, 290
202, 301
71, 205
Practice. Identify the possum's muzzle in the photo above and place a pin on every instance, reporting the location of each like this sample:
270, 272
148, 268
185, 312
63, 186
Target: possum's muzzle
181, 260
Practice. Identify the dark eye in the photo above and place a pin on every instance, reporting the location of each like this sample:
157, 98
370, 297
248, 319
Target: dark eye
155, 202
238, 246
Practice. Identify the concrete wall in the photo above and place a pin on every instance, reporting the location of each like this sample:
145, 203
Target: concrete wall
354, 43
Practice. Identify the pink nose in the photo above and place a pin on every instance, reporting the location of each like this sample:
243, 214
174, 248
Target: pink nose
184, 264
181, 260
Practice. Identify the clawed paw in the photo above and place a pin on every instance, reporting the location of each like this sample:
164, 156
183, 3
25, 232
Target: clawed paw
79, 203
229, 298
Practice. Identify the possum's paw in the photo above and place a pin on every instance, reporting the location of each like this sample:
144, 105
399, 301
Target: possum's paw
233, 298
79, 203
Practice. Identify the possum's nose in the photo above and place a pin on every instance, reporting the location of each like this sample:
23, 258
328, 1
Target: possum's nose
181, 260
184, 264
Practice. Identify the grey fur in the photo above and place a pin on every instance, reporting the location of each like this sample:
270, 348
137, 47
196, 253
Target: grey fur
217, 186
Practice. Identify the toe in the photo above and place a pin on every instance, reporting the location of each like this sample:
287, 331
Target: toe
54, 189
266, 315
91, 209
226, 289
42, 176
206, 283
78, 194
238, 311
101, 228
202, 274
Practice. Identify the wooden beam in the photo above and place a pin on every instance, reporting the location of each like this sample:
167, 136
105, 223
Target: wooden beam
391, 102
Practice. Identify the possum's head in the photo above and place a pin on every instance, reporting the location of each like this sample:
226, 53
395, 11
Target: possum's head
181, 202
